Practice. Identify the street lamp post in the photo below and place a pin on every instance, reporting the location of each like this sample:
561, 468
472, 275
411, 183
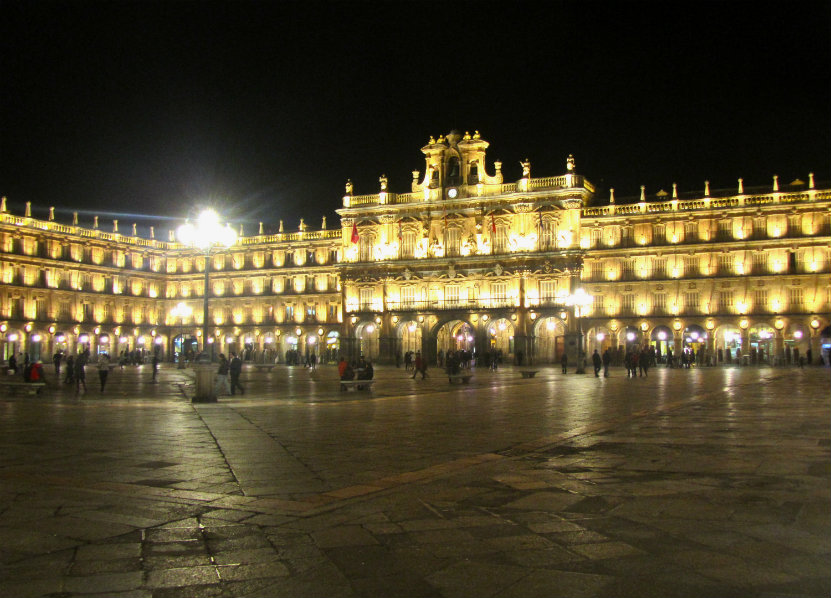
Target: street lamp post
208, 234
579, 300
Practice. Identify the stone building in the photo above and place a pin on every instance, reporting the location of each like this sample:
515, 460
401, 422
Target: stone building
464, 260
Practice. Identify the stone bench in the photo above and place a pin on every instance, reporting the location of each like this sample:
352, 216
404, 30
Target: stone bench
31, 387
528, 373
463, 377
356, 384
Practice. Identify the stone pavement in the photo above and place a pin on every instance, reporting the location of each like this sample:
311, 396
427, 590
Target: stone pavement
700, 482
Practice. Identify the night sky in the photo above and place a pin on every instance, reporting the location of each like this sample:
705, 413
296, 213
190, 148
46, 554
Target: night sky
130, 110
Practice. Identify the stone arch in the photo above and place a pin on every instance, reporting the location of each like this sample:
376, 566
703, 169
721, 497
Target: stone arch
367, 335
410, 336
549, 335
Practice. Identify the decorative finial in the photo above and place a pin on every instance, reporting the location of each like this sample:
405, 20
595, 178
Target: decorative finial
3, 206
476, 135
281, 227
415, 176
675, 191
241, 232
134, 230
776, 182
440, 139
741, 186
432, 141
171, 236
526, 168
302, 226
28, 213
95, 222
570, 163
152, 232
612, 196
383, 181
74, 218
498, 166
643, 193
323, 224
467, 136
261, 228
810, 181
115, 226
706, 188
51, 213
349, 186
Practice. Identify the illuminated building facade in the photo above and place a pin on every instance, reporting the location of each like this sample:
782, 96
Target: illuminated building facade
464, 260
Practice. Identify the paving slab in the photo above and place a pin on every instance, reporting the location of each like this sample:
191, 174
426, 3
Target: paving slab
707, 481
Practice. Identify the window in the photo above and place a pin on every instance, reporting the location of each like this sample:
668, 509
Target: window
408, 298
596, 235
499, 293
365, 248
659, 302
451, 295
628, 268
692, 301
408, 242
451, 241
333, 312
289, 312
548, 290
599, 304
659, 233
760, 262
725, 230
690, 232
659, 267
725, 263
627, 303
795, 298
760, 299
548, 234
725, 301
366, 299
501, 242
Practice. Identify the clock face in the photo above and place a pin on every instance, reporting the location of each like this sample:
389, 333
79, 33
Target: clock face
451, 193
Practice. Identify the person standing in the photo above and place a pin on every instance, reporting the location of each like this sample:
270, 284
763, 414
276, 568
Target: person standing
607, 361
70, 370
103, 369
13, 363
80, 373
420, 366
155, 364
222, 375
313, 361
235, 369
56, 361
564, 362
597, 362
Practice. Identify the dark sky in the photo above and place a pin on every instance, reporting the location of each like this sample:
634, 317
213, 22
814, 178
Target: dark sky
267, 108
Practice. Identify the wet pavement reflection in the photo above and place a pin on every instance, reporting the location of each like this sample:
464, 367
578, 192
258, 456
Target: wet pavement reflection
708, 481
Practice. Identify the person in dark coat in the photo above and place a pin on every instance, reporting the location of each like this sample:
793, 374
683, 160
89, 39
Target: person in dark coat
564, 362
597, 362
235, 369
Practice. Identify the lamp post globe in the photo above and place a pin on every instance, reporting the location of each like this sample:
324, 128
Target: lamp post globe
206, 235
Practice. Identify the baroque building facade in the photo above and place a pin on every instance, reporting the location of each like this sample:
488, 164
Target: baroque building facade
464, 260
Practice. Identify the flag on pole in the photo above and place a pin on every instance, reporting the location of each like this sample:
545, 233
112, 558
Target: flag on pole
400, 231
355, 237
493, 225
540, 213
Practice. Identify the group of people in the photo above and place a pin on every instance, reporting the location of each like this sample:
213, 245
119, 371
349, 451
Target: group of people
357, 370
32, 370
228, 374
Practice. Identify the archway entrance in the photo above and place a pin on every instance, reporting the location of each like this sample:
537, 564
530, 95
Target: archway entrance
367, 335
330, 352
762, 344
409, 337
501, 339
663, 341
550, 333
694, 340
728, 344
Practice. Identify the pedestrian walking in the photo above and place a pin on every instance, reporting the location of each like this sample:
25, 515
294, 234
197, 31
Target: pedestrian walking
56, 361
564, 362
235, 369
607, 361
103, 369
420, 366
80, 374
222, 376
155, 364
597, 362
